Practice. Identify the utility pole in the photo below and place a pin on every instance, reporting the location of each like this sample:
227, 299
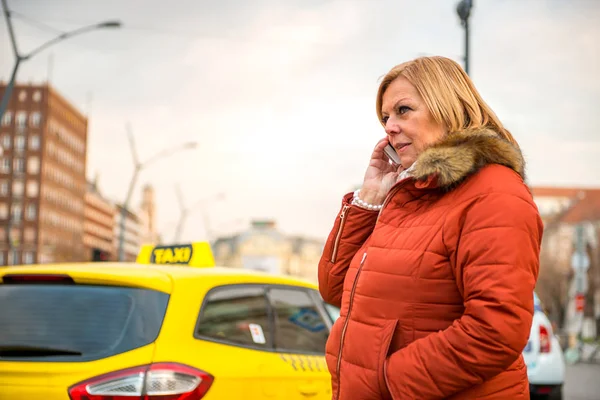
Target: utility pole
580, 263
20, 58
463, 9
182, 216
185, 212
138, 166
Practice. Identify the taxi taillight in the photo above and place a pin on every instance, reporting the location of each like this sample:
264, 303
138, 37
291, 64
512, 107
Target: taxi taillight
159, 381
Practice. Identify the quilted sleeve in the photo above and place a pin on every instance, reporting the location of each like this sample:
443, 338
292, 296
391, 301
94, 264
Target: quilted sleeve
351, 228
494, 244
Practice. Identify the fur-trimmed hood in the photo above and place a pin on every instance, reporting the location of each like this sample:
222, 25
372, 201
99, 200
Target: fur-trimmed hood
461, 154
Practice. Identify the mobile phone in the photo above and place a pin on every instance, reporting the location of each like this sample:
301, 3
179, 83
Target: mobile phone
391, 153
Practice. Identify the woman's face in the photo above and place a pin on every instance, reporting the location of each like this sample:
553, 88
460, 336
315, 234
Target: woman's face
408, 123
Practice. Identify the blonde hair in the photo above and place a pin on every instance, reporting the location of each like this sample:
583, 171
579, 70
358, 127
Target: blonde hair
449, 94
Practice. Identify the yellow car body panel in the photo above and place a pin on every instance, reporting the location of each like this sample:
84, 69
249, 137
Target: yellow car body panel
238, 372
109, 274
51, 380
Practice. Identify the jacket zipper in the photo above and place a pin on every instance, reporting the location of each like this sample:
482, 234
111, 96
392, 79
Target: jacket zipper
339, 360
339, 233
362, 262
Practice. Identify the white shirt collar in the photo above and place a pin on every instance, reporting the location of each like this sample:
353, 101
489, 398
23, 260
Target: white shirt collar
406, 173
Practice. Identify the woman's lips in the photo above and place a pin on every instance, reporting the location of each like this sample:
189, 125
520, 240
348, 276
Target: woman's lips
402, 146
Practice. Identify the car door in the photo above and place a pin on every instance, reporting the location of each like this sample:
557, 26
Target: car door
300, 331
235, 336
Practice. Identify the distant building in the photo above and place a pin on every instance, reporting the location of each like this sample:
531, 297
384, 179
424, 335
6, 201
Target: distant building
262, 247
42, 177
132, 238
103, 226
563, 209
99, 225
304, 257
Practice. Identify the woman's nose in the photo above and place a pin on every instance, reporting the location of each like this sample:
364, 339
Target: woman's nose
392, 128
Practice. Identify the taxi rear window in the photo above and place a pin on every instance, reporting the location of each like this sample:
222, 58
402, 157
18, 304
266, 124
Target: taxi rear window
76, 322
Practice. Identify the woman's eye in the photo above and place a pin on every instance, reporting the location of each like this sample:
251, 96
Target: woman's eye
403, 109
384, 120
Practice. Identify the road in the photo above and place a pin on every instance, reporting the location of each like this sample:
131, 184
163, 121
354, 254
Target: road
582, 382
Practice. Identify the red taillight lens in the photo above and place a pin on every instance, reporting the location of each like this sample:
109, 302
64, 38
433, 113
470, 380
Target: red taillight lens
545, 339
161, 381
37, 278
543, 390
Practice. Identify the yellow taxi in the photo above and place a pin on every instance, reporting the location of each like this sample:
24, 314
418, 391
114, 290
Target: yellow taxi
125, 331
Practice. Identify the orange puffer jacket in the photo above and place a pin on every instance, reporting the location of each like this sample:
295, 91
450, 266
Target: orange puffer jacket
436, 290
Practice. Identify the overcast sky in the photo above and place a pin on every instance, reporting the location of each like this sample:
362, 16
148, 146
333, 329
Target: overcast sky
280, 94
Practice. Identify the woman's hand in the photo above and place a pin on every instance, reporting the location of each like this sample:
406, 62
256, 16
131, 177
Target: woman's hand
379, 177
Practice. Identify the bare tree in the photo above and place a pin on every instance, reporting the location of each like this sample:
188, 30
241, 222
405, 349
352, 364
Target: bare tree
593, 282
552, 287
555, 273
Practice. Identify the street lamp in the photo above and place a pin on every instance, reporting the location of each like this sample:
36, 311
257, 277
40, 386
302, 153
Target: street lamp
185, 211
463, 9
19, 58
138, 167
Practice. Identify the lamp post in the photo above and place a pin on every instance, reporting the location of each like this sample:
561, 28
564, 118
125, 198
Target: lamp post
185, 211
463, 9
20, 58
138, 167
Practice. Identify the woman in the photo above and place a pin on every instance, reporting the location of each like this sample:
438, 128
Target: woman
434, 262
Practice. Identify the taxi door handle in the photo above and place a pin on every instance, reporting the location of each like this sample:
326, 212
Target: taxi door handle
308, 389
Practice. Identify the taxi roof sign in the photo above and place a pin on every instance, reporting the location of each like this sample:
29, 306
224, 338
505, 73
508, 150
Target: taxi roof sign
197, 254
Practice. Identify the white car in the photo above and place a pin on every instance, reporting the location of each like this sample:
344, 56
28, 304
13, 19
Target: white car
544, 358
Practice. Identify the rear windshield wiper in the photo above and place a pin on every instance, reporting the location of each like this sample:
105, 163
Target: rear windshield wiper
12, 350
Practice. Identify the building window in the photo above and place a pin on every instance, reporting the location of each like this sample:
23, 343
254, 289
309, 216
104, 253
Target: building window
21, 119
1, 258
17, 212
34, 142
7, 118
20, 142
37, 96
33, 165
22, 95
28, 257
32, 189
19, 165
4, 188
5, 166
35, 119
29, 235
18, 188
3, 210
6, 142
31, 212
